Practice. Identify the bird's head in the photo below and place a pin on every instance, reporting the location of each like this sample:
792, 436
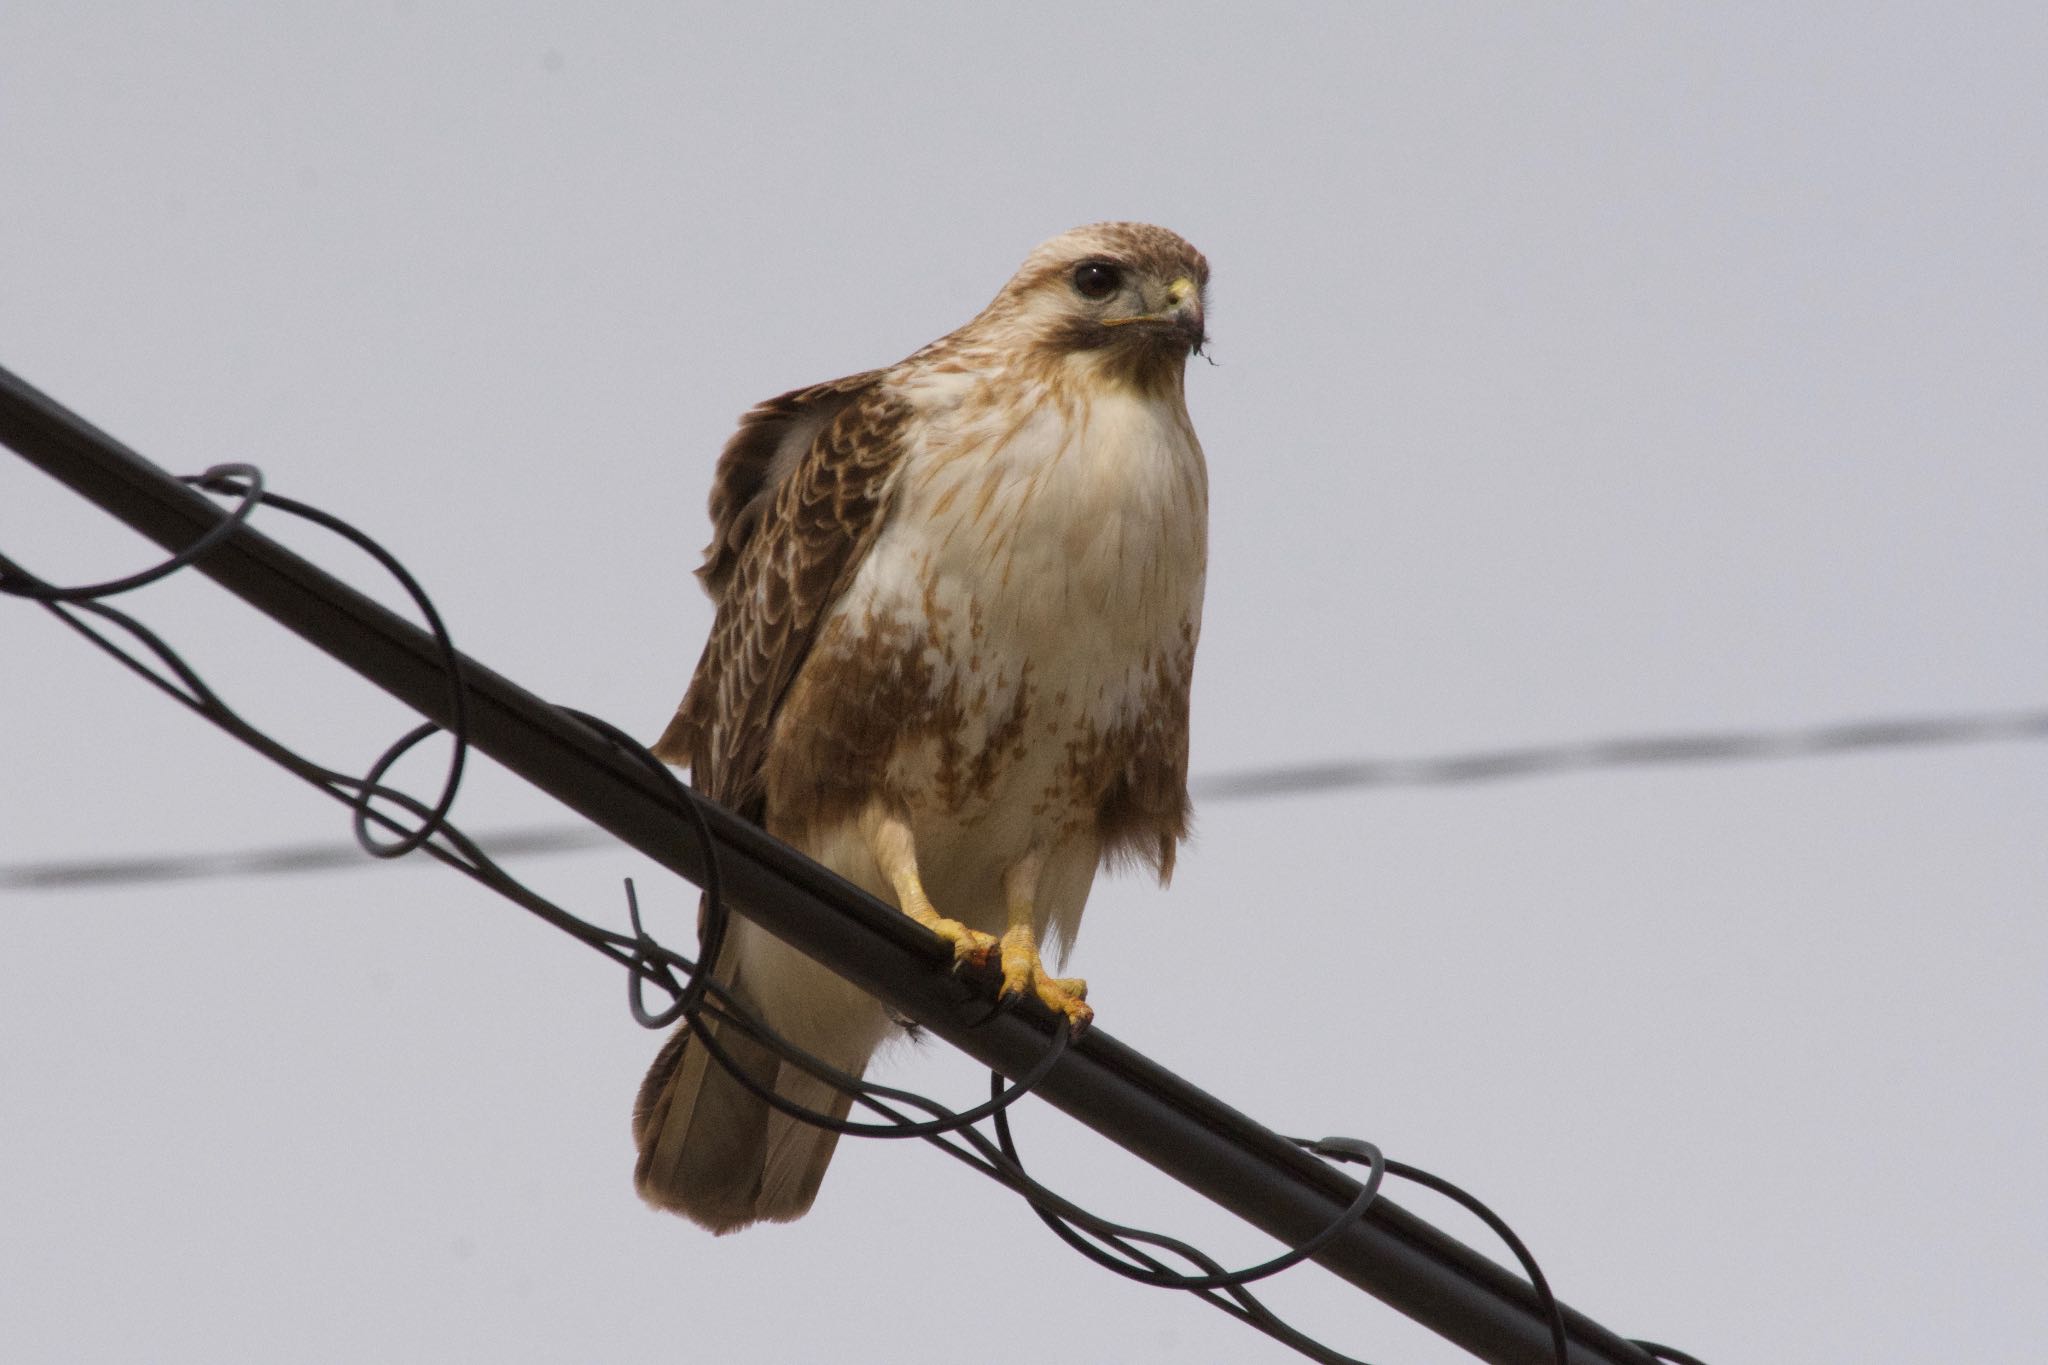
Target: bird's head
1125, 300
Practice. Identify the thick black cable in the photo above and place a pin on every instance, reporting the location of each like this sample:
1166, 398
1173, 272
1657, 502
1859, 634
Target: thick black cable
647, 960
638, 950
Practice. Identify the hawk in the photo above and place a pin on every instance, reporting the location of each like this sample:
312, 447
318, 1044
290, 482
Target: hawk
957, 605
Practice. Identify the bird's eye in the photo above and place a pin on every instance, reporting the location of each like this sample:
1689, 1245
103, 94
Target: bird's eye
1097, 279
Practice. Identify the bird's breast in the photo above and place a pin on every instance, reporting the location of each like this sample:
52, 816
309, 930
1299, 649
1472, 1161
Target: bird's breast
1062, 515
1040, 576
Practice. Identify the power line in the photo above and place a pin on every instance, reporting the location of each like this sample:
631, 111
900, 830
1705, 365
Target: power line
282, 859
1439, 770
1269, 1181
1635, 751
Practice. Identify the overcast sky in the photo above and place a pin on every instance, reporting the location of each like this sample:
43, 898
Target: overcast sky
1580, 371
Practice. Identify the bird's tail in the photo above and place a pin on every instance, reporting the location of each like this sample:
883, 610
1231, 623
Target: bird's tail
715, 1152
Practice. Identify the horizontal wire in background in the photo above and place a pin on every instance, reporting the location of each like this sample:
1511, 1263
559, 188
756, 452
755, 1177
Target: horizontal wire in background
1443, 770
1642, 751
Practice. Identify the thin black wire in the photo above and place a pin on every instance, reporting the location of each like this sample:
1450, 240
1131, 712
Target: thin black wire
184, 685
699, 999
1217, 1278
1342, 1150
731, 1011
18, 582
1670, 1353
451, 663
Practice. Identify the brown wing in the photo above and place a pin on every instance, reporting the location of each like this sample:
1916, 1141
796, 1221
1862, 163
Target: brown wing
772, 438
799, 496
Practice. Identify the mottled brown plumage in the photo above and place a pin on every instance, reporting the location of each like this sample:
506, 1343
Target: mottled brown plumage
957, 607
786, 539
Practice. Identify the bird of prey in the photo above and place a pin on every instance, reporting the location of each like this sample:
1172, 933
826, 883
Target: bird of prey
957, 604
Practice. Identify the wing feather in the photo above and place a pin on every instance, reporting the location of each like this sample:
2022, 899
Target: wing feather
792, 525
771, 439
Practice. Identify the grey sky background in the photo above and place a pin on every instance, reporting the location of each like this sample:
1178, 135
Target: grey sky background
1580, 370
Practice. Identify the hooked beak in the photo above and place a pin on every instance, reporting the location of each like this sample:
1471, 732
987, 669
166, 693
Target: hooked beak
1186, 300
1182, 316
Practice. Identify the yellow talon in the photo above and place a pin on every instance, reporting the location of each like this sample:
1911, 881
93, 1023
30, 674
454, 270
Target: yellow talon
1024, 970
894, 847
972, 948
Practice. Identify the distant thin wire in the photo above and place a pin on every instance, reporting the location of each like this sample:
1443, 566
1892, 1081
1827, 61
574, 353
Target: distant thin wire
1639, 751
700, 997
1441, 770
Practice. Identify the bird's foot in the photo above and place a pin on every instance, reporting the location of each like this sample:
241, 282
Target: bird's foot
1024, 970
973, 951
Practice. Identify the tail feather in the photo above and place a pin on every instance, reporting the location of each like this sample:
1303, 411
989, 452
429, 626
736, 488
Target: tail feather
798, 1152
720, 1155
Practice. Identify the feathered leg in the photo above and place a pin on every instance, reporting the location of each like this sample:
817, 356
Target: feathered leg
895, 850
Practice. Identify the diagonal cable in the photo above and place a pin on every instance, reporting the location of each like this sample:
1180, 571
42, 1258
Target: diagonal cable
1268, 1180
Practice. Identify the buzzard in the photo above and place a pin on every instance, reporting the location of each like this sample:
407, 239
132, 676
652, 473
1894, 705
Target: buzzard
957, 604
